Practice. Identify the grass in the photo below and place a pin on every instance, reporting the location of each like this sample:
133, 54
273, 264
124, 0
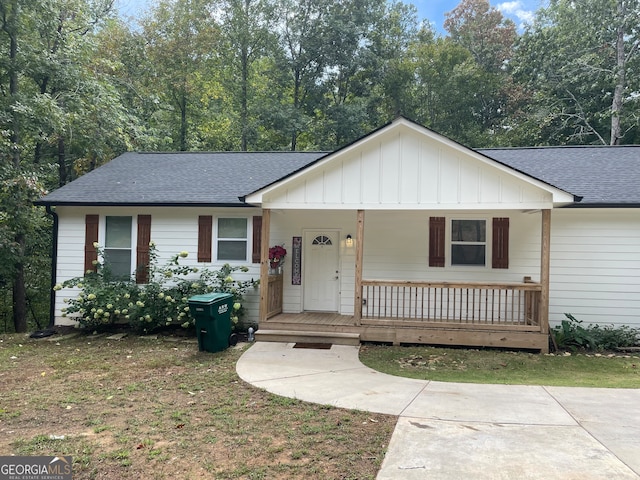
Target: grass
159, 409
504, 367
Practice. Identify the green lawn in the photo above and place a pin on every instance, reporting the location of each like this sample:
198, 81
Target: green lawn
504, 367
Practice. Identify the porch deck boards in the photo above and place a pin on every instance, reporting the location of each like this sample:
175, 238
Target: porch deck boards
394, 331
314, 318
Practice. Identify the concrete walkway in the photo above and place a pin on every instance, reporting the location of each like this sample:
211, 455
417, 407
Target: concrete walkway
465, 431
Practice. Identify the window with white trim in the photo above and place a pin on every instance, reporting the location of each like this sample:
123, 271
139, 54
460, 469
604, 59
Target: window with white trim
117, 246
232, 239
468, 242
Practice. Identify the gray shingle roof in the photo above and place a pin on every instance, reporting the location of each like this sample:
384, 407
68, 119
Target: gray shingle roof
179, 178
602, 175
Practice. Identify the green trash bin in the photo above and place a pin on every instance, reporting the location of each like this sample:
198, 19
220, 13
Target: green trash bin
212, 313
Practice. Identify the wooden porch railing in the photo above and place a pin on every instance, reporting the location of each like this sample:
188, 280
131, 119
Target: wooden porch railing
274, 302
474, 303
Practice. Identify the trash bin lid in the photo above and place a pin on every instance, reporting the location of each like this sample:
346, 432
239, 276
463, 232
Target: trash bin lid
209, 298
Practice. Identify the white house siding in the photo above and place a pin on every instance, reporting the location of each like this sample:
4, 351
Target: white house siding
172, 230
595, 265
595, 253
396, 248
402, 168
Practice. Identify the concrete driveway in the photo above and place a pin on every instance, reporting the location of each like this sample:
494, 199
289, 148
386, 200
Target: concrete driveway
465, 431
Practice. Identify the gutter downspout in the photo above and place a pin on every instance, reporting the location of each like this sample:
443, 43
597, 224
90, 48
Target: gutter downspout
54, 266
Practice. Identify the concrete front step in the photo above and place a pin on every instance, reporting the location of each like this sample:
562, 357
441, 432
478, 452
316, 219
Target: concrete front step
292, 336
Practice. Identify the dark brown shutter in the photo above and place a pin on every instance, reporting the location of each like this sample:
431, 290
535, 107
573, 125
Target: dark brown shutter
142, 249
257, 239
90, 237
500, 245
205, 224
436, 241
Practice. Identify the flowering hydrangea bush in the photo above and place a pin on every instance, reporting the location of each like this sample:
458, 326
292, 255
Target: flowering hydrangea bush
105, 300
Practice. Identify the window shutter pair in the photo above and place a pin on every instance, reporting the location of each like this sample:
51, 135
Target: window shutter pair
142, 248
205, 226
499, 250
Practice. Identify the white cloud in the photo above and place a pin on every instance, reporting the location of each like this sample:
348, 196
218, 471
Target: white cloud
509, 7
516, 9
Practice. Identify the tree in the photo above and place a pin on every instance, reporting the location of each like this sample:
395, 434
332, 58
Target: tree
14, 194
386, 79
305, 44
490, 38
11, 15
182, 40
341, 68
45, 89
247, 27
576, 59
483, 31
445, 74
82, 121
24, 244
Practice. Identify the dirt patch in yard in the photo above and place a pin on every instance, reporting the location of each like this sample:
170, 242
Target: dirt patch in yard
157, 408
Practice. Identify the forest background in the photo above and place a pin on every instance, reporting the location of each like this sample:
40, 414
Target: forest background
79, 85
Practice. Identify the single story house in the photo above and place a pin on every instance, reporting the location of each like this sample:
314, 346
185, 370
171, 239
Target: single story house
403, 236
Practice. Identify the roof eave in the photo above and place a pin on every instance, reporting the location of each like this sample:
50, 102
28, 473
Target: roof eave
139, 204
603, 205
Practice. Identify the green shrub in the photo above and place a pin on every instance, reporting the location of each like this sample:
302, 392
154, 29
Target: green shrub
103, 300
163, 301
609, 337
570, 334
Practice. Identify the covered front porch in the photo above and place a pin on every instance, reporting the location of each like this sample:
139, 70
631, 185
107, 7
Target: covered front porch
408, 237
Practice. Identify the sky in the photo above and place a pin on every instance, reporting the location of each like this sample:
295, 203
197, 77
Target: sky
520, 11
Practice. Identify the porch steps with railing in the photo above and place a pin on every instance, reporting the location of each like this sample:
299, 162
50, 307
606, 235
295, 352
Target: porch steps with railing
293, 336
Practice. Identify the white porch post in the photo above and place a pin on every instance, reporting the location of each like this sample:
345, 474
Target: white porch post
357, 308
264, 265
545, 261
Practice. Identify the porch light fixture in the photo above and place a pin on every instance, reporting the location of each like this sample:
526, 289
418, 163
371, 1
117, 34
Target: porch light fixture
349, 241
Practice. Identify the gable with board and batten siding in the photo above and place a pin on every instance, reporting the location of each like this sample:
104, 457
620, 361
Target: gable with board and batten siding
411, 168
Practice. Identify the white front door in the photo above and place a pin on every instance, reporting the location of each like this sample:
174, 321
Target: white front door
321, 278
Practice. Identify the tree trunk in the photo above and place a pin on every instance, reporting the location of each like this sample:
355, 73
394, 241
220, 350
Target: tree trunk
37, 153
62, 163
296, 104
617, 103
244, 59
11, 28
244, 113
183, 122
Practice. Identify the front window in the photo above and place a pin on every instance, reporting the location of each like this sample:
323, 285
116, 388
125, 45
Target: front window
232, 239
117, 246
468, 242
